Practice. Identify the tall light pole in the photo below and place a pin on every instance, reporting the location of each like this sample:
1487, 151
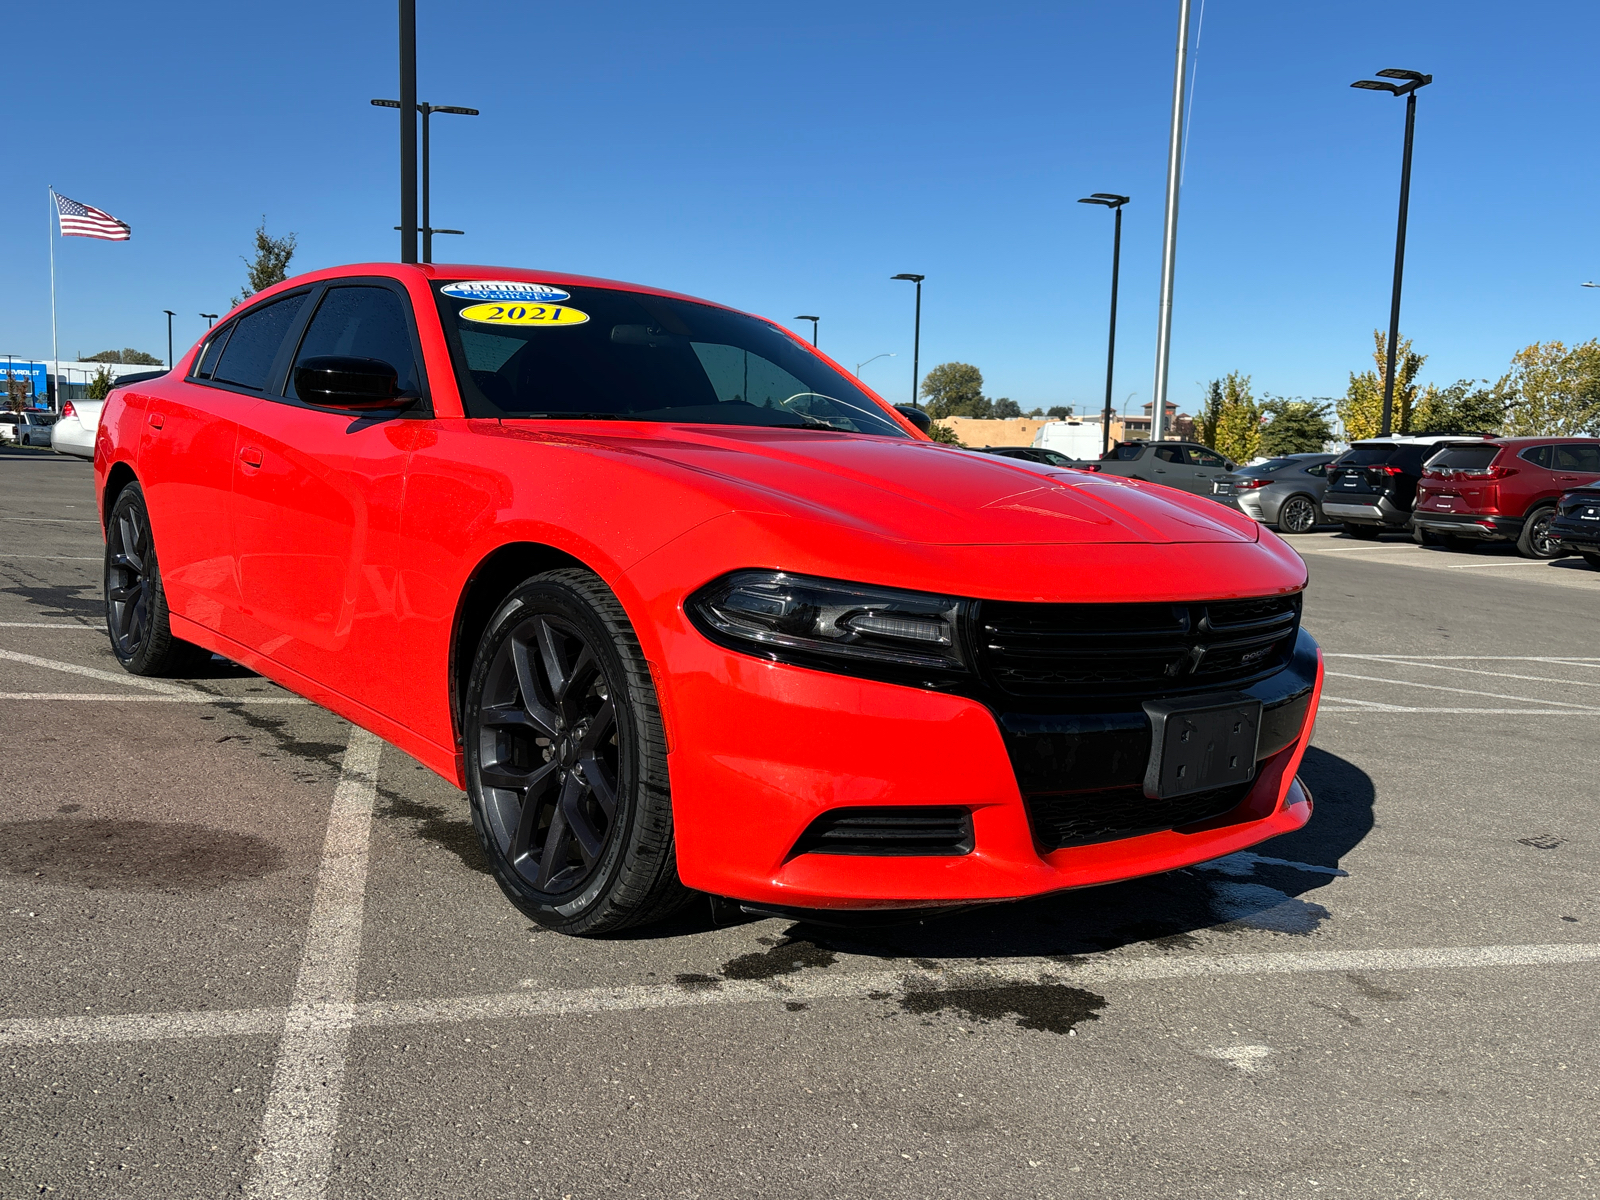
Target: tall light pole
170, 315
813, 321
407, 104
1169, 226
1408, 89
873, 359
210, 319
1114, 202
916, 337
427, 110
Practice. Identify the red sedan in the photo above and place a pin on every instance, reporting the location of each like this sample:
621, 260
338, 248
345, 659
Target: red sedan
685, 608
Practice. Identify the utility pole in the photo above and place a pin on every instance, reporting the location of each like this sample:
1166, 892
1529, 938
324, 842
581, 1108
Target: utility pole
916, 337
1114, 202
1169, 228
408, 130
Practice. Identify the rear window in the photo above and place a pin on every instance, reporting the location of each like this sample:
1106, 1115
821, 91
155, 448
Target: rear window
1463, 458
1268, 467
1366, 456
1123, 453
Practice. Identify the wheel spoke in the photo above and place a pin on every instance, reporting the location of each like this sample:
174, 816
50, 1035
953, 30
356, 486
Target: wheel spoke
130, 556
599, 781
578, 677
550, 656
590, 843
542, 716
557, 843
535, 720
503, 775
528, 819
601, 727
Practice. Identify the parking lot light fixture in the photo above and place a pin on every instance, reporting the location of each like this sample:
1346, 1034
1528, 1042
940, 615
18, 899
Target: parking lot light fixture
1114, 202
427, 110
813, 321
916, 335
210, 319
1410, 82
1593, 285
873, 359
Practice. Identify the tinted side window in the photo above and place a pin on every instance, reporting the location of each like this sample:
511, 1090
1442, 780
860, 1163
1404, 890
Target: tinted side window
1318, 469
1205, 458
362, 322
1578, 458
206, 361
257, 337
1171, 454
1539, 456
1125, 453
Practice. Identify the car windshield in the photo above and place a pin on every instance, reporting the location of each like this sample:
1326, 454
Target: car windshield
609, 354
1366, 456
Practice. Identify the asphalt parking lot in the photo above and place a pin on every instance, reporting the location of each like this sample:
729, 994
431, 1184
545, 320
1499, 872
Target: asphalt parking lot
250, 950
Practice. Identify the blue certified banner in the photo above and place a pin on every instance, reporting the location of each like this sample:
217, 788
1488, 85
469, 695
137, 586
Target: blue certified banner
504, 290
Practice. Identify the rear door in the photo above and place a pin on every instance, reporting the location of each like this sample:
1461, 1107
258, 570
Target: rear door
1169, 464
185, 458
318, 494
1576, 464
1208, 467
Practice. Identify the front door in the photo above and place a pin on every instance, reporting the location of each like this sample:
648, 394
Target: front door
317, 506
1206, 467
1170, 466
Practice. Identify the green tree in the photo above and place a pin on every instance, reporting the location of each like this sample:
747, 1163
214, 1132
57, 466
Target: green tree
954, 390
1205, 422
128, 356
1361, 409
1466, 406
1005, 409
1294, 426
944, 435
1059, 413
1552, 391
102, 383
1036, 412
19, 391
271, 264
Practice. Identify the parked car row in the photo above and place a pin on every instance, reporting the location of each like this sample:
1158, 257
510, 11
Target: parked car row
26, 428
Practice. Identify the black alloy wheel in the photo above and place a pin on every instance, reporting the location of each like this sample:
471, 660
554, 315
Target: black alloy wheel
136, 604
566, 760
1534, 540
1298, 514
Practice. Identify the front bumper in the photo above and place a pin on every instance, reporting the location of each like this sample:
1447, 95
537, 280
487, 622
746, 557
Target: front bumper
1364, 511
1474, 525
762, 749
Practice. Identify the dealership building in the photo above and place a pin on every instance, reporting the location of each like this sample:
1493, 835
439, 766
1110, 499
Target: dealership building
44, 378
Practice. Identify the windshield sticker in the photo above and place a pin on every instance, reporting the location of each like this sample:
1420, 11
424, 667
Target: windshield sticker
523, 314
505, 289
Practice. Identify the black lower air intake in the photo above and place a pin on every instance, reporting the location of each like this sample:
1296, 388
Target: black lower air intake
889, 831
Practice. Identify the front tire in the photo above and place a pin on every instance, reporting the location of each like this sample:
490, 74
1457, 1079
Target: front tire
136, 603
1534, 540
567, 760
1297, 515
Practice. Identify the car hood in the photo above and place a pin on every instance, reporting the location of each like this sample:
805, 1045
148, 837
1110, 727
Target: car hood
915, 491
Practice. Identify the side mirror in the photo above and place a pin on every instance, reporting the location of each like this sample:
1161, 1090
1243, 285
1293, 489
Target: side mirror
915, 415
339, 381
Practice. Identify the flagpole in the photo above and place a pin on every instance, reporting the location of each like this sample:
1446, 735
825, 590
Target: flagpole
55, 348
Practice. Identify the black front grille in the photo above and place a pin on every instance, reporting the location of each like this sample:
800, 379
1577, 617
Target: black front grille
890, 831
1083, 818
1070, 650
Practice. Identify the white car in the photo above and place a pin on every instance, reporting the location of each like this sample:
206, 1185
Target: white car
74, 432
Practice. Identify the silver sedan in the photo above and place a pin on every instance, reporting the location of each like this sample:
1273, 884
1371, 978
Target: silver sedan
1286, 491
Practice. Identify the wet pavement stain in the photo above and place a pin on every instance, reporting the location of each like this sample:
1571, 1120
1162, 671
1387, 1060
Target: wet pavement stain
455, 835
784, 958
796, 1006
1049, 1007
103, 853
326, 755
1374, 991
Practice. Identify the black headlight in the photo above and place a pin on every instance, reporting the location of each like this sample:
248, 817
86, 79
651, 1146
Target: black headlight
843, 625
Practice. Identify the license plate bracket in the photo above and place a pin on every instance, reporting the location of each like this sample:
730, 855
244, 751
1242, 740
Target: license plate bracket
1201, 743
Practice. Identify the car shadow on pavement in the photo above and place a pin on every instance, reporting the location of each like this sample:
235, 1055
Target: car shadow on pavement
1274, 888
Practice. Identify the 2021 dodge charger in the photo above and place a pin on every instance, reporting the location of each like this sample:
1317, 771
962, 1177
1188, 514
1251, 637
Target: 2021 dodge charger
684, 608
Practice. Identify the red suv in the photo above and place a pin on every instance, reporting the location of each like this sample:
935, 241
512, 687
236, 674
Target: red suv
1503, 490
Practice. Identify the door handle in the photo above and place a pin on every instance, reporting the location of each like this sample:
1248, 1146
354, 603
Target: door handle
250, 456
157, 420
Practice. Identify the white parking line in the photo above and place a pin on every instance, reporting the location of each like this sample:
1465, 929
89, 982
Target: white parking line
121, 698
54, 520
58, 557
1436, 666
1371, 706
122, 677
821, 985
1438, 687
1573, 659
302, 1114
48, 625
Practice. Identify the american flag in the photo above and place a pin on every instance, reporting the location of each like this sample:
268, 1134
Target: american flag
79, 220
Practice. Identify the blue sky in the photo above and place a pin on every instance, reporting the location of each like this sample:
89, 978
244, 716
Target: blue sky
788, 159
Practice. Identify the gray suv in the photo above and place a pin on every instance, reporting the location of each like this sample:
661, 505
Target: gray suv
1186, 465
1284, 491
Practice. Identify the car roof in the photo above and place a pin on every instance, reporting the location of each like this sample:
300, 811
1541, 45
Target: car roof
1423, 439
1542, 441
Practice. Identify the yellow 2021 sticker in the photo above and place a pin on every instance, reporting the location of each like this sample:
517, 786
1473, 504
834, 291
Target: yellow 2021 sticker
523, 314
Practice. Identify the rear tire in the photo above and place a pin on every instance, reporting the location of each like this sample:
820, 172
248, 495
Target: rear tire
1367, 533
1297, 514
137, 618
567, 760
1534, 540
